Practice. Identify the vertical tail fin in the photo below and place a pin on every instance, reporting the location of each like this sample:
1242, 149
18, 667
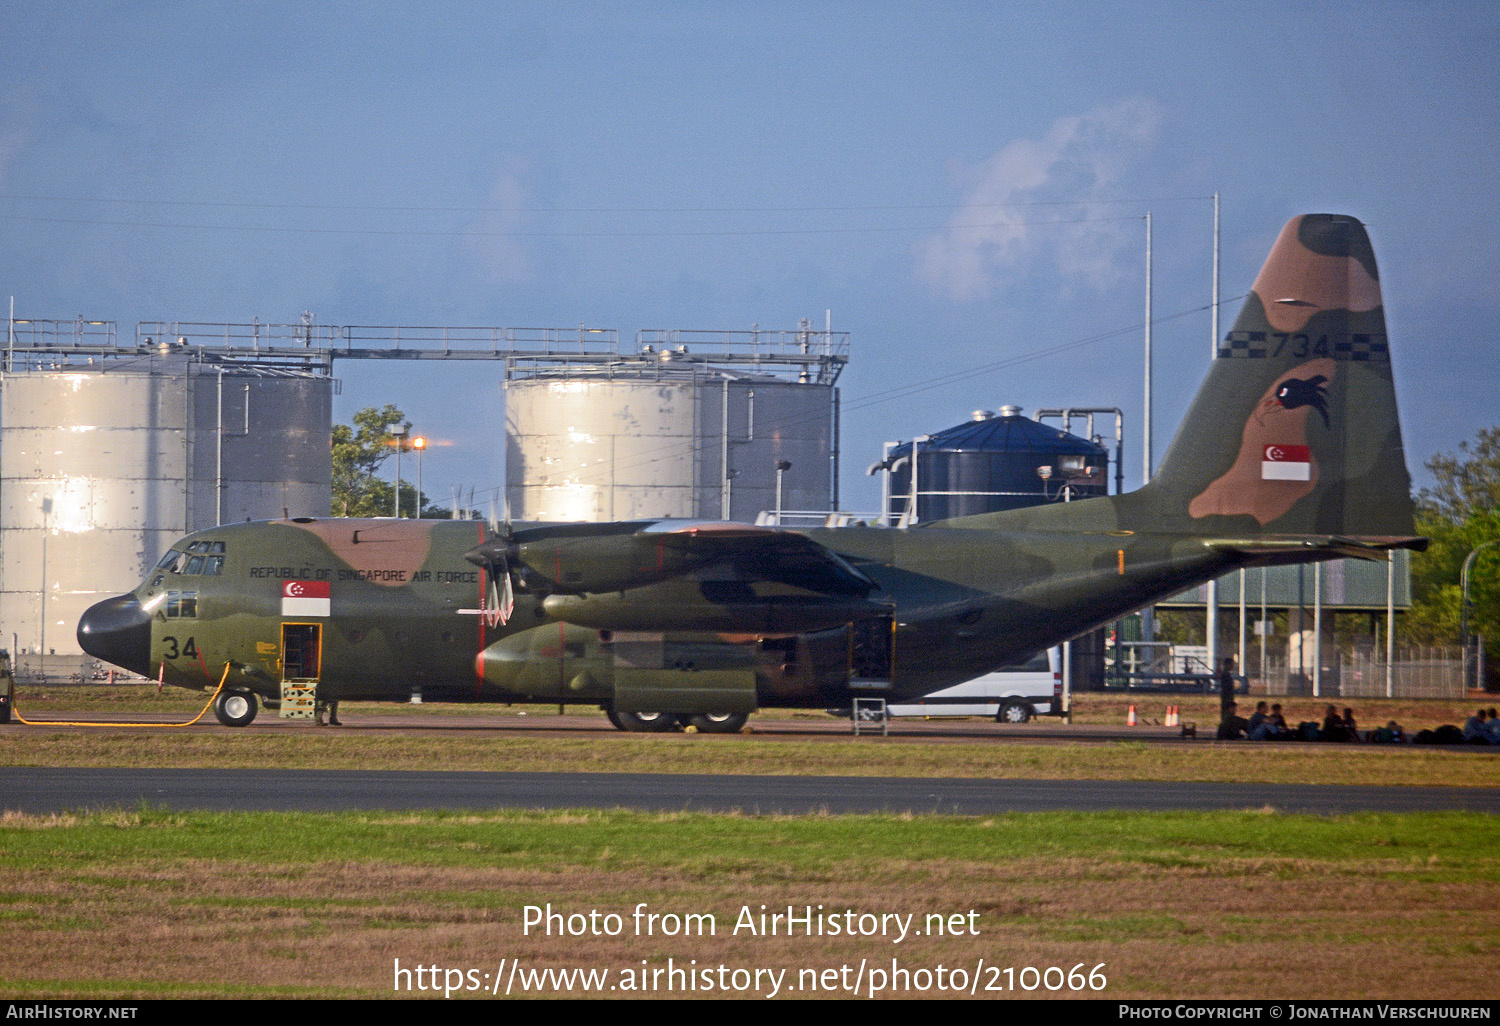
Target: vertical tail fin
1295, 429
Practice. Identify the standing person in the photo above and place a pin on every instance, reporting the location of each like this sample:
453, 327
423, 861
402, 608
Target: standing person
7, 687
1226, 688
1230, 725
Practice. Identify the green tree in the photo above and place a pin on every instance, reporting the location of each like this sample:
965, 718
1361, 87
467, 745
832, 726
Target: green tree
360, 450
1467, 481
1460, 513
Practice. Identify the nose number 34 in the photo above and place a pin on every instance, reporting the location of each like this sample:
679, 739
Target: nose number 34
188, 649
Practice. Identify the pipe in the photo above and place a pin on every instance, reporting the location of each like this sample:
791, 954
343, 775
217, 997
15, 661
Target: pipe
724, 451
1067, 415
1317, 630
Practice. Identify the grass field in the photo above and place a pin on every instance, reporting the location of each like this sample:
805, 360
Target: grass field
150, 903
696, 753
1019, 752
145, 903
1414, 714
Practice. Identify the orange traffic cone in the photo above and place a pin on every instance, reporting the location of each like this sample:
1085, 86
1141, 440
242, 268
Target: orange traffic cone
1172, 719
1130, 717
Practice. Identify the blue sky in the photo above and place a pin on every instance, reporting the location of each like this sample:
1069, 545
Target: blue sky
721, 165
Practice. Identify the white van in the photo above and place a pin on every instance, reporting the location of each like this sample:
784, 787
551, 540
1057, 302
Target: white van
1011, 694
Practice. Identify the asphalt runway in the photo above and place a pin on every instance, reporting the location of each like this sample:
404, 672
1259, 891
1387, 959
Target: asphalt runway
40, 790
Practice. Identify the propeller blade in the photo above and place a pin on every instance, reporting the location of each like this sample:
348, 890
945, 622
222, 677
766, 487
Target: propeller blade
507, 604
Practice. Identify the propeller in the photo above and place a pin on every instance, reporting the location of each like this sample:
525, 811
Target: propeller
498, 555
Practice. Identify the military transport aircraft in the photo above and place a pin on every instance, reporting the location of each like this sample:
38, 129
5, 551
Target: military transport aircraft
1291, 453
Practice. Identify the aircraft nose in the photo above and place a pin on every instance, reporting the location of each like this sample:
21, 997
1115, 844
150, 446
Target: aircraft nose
118, 631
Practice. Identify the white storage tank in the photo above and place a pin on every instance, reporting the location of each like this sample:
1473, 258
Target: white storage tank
103, 467
666, 441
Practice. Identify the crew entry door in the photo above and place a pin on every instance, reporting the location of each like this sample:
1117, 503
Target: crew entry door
301, 664
872, 652
301, 651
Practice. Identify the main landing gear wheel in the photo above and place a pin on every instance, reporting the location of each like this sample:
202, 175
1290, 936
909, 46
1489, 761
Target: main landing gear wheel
718, 723
643, 722
235, 708
1013, 712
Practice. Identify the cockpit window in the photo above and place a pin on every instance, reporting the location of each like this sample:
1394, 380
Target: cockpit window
182, 604
195, 560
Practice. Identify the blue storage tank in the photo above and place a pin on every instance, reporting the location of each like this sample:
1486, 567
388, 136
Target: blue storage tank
993, 461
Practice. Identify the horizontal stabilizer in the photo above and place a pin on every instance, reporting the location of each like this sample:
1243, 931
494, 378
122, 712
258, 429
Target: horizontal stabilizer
1272, 549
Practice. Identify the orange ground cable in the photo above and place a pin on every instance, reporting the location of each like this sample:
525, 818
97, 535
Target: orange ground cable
69, 723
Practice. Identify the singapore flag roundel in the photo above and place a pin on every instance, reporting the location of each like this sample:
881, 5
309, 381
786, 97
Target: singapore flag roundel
306, 598
1286, 463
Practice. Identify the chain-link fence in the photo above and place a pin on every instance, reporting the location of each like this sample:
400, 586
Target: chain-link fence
1418, 672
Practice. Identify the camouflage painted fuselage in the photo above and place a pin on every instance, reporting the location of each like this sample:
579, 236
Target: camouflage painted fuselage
407, 611
1291, 452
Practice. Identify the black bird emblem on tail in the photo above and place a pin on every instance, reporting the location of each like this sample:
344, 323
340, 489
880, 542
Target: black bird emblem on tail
1294, 392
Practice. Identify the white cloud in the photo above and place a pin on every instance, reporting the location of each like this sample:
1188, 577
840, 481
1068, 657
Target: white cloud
17, 109
999, 227
502, 255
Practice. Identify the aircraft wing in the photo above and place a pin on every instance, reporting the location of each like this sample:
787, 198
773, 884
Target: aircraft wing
765, 553
580, 559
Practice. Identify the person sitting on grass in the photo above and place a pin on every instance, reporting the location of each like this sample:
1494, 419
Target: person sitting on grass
1492, 727
1260, 716
1271, 728
1350, 727
1333, 726
1278, 721
1476, 732
1232, 727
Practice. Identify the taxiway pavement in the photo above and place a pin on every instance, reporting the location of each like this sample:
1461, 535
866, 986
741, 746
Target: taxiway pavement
41, 790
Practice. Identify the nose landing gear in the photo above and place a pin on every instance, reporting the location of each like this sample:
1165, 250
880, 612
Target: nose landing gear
236, 708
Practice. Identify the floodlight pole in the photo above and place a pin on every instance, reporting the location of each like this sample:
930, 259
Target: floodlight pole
1211, 614
400, 432
419, 443
1148, 614
1146, 433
